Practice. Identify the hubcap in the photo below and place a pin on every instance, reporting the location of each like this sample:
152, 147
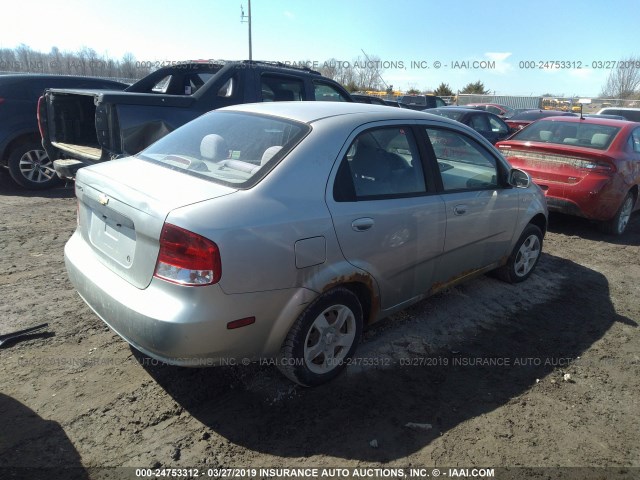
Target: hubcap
625, 214
527, 255
35, 166
329, 339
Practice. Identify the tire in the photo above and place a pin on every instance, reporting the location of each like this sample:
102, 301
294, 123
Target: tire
618, 224
524, 257
316, 349
30, 167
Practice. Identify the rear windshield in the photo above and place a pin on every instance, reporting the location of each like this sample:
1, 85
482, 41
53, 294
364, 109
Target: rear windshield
231, 148
569, 133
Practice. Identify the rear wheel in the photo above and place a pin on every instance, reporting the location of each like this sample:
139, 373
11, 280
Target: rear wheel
322, 339
524, 257
618, 224
30, 167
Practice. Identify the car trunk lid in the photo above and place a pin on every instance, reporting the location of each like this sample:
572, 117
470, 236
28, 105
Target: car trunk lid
122, 206
557, 164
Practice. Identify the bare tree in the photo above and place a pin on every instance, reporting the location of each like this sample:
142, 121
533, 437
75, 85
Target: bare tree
368, 72
624, 80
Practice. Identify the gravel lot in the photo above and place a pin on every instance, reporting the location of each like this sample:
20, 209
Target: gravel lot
542, 374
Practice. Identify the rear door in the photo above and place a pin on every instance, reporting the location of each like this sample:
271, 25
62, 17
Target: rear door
388, 218
481, 211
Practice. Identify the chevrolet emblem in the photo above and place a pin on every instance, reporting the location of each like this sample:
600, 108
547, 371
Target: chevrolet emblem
103, 199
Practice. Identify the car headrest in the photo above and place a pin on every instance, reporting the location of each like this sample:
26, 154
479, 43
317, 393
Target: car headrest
214, 147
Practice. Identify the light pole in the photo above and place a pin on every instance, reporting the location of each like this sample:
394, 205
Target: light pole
248, 20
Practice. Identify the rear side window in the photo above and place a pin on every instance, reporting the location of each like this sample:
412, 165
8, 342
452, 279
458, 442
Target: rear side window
327, 93
383, 162
231, 148
463, 164
277, 88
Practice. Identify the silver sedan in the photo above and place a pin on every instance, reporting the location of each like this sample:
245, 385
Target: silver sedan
280, 230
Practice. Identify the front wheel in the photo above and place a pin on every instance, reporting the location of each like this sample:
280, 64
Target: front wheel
618, 224
524, 257
30, 167
322, 339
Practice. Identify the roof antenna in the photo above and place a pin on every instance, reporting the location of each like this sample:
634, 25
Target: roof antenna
583, 102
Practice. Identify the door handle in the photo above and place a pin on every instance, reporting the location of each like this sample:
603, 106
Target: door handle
460, 209
362, 224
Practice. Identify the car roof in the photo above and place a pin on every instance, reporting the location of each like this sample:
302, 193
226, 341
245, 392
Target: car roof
538, 113
309, 112
489, 104
459, 109
622, 108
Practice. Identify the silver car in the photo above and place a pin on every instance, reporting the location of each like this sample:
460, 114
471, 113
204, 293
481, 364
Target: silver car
281, 230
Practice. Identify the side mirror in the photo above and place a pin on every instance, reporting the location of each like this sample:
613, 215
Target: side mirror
519, 178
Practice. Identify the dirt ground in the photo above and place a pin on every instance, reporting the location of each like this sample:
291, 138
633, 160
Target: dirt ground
542, 374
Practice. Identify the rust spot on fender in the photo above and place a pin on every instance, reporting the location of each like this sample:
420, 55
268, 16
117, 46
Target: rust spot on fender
367, 282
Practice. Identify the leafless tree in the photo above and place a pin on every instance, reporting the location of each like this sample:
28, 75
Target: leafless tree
624, 80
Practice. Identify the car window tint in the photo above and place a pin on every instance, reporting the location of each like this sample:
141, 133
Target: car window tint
281, 89
380, 162
327, 93
463, 164
498, 126
479, 122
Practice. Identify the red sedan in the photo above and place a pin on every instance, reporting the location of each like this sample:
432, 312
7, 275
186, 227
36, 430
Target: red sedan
586, 167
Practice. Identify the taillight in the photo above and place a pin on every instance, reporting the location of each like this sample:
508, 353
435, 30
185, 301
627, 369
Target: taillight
597, 167
40, 126
1, 100
187, 258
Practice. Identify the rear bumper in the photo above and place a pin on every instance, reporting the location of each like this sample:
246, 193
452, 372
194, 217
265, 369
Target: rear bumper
595, 198
179, 325
66, 169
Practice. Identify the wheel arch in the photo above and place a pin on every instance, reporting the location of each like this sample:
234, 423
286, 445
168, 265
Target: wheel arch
540, 221
366, 298
18, 140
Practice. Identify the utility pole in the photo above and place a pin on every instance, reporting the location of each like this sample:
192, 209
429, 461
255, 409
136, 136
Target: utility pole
248, 20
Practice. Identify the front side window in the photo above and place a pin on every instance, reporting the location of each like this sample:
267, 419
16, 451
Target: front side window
380, 162
498, 126
480, 123
463, 163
